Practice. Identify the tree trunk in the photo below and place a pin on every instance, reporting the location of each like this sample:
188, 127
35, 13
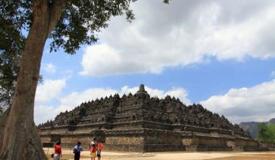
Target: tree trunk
19, 139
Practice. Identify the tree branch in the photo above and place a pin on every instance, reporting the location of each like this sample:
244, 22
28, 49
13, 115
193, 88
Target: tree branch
56, 7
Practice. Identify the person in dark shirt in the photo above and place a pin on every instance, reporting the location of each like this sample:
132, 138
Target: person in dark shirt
77, 150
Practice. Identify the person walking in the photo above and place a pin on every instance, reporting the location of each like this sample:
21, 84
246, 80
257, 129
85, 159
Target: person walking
57, 151
77, 150
93, 151
99, 148
92, 142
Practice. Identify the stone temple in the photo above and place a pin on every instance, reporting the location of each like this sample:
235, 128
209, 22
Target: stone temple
142, 123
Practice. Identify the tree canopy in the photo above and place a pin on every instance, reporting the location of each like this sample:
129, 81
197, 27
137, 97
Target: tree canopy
79, 21
78, 24
11, 46
266, 133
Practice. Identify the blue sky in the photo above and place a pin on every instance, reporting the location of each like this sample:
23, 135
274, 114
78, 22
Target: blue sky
208, 52
201, 80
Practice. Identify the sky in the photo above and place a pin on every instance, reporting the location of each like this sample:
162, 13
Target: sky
218, 53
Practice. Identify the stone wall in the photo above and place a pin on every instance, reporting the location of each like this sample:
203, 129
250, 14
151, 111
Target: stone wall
151, 140
125, 143
162, 140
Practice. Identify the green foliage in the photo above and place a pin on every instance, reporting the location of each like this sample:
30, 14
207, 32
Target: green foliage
266, 133
9, 67
78, 25
80, 20
11, 46
83, 18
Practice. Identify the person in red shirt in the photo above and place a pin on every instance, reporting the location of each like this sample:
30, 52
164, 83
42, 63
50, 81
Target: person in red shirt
93, 151
57, 151
99, 148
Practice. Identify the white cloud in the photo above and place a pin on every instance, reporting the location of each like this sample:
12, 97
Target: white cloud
182, 33
49, 89
179, 93
68, 102
50, 68
256, 103
103, 55
43, 113
46, 92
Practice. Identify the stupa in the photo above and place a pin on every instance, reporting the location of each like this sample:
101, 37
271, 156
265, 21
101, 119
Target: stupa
142, 123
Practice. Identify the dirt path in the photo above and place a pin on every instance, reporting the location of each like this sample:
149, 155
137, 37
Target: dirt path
68, 155
250, 156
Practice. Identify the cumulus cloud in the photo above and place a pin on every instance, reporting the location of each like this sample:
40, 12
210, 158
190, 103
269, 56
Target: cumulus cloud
182, 33
70, 101
43, 113
256, 103
48, 91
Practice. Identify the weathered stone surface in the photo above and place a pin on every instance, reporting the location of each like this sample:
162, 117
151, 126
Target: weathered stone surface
142, 123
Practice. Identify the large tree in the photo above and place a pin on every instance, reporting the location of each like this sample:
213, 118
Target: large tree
68, 24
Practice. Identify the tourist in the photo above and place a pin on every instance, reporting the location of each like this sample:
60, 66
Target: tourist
93, 150
77, 150
93, 142
57, 151
99, 149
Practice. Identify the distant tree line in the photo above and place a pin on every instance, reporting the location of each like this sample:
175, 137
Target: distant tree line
266, 133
